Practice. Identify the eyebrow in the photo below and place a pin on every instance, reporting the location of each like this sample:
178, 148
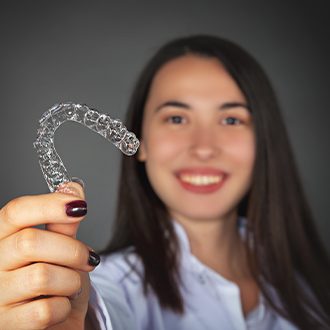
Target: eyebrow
230, 105
182, 105
175, 104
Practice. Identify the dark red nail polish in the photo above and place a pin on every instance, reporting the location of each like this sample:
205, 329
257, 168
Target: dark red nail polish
93, 259
76, 208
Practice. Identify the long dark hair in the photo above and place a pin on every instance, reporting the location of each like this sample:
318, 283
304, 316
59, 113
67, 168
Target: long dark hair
287, 253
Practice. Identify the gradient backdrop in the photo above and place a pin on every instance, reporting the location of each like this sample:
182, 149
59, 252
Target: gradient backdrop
91, 52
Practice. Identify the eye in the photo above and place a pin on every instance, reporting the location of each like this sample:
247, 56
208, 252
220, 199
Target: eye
175, 119
231, 121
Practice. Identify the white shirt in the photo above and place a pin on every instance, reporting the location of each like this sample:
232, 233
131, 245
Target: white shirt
211, 301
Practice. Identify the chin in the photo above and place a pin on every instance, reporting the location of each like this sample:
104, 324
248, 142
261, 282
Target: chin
197, 215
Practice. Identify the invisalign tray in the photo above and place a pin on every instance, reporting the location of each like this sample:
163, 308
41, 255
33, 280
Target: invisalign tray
50, 162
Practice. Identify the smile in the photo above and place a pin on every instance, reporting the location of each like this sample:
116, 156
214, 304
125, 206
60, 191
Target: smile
201, 181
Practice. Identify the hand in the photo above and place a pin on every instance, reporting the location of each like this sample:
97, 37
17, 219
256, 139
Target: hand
41, 270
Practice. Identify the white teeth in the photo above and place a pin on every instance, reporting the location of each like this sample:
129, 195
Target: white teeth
201, 180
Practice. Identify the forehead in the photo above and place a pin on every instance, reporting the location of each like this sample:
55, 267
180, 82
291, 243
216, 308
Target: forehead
193, 74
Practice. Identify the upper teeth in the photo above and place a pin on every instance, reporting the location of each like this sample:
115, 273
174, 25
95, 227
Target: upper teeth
201, 179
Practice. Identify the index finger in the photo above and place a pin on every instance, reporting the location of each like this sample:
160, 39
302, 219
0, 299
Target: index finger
32, 210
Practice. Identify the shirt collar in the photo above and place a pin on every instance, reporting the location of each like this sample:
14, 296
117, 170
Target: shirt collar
190, 262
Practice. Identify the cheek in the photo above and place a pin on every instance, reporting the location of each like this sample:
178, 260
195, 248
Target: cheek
162, 147
242, 149
162, 152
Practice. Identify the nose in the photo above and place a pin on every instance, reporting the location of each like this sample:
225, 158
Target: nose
204, 144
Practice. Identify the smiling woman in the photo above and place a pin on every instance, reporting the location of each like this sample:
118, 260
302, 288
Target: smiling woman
212, 230
217, 230
198, 164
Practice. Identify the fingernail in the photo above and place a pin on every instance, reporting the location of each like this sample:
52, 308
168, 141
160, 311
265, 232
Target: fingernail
76, 208
93, 259
78, 180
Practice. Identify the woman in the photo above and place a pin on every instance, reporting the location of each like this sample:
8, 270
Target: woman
213, 150
212, 230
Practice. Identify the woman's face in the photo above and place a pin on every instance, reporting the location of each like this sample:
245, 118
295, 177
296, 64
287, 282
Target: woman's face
198, 142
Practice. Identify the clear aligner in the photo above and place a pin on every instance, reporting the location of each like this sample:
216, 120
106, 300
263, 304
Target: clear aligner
50, 162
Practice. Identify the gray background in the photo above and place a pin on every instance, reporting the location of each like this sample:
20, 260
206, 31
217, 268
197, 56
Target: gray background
91, 52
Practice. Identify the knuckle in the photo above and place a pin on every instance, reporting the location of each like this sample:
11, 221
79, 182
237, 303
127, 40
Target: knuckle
10, 211
6, 285
76, 281
48, 312
42, 314
39, 279
79, 253
27, 241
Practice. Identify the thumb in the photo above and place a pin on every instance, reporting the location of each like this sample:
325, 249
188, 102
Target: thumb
77, 190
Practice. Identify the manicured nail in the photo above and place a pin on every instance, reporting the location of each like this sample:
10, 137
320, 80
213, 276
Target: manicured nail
93, 259
76, 208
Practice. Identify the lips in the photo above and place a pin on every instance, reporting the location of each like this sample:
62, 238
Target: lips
201, 180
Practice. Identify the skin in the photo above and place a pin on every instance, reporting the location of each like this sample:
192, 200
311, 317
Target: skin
38, 262
196, 117
53, 263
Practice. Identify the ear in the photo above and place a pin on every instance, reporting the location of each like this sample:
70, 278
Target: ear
142, 154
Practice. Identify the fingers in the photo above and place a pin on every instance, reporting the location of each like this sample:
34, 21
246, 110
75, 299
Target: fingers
37, 245
73, 189
37, 314
48, 265
34, 210
38, 279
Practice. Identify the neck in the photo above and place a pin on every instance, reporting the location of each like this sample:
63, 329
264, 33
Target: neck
217, 243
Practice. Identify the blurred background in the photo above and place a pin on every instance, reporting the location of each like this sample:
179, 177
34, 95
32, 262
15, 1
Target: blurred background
92, 51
